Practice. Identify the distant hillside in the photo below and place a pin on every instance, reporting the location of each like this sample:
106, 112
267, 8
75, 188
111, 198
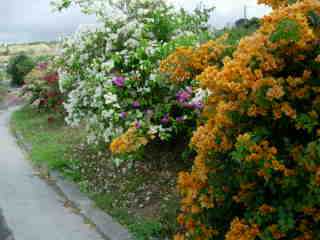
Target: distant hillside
33, 49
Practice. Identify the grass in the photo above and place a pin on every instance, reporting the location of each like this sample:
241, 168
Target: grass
141, 198
3, 91
51, 140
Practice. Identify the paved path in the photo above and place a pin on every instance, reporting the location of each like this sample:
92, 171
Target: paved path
33, 210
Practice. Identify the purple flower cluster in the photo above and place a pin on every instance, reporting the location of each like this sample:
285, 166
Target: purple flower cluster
180, 119
184, 95
136, 104
119, 81
123, 115
165, 119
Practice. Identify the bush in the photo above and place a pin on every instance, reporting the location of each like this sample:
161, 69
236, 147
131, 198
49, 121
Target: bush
19, 66
111, 76
42, 87
248, 23
256, 174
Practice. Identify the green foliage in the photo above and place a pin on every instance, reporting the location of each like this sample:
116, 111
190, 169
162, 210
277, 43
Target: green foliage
19, 66
314, 19
42, 58
248, 23
287, 30
3, 74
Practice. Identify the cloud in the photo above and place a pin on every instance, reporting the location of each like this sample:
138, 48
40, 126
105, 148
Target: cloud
33, 20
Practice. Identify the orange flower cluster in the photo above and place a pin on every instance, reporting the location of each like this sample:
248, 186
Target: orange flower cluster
262, 153
128, 142
187, 62
262, 109
239, 230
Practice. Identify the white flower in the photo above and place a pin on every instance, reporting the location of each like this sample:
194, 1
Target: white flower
200, 95
108, 65
110, 98
132, 43
107, 114
153, 77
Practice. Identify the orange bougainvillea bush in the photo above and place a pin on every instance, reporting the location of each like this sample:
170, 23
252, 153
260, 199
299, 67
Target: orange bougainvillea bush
257, 170
187, 62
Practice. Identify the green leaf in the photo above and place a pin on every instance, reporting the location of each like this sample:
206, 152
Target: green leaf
292, 1
314, 19
307, 122
261, 100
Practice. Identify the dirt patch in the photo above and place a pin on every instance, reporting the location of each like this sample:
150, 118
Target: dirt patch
143, 188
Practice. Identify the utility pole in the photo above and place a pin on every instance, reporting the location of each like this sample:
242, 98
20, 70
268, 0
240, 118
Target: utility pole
245, 9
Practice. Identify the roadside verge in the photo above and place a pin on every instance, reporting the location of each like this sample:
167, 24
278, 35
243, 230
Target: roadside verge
103, 222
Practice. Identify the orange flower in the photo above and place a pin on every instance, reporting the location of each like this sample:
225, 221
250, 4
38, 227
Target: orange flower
266, 209
275, 92
179, 237
128, 142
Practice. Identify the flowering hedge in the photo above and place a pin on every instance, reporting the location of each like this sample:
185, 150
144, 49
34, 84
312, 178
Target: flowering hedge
110, 73
256, 174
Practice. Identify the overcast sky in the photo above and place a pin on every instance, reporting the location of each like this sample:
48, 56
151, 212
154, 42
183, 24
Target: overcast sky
33, 20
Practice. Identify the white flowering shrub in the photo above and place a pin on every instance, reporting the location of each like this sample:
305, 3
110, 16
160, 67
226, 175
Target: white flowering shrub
110, 71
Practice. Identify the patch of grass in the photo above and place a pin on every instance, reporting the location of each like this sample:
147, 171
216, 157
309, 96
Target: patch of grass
50, 139
3, 92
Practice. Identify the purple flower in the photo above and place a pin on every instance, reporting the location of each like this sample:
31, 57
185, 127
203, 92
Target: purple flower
118, 81
179, 119
184, 95
136, 104
137, 124
197, 105
165, 119
42, 66
123, 115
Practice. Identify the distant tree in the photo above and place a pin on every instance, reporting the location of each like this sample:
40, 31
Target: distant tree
19, 66
241, 22
248, 23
